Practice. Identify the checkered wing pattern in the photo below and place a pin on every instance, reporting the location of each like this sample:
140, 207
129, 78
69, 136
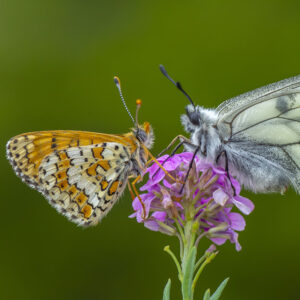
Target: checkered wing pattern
81, 174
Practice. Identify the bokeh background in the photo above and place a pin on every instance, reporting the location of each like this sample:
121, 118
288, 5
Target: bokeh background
57, 62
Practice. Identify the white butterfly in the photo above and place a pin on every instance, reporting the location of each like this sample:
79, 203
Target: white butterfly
255, 136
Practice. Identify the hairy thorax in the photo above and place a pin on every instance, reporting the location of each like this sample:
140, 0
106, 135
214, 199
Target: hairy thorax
205, 135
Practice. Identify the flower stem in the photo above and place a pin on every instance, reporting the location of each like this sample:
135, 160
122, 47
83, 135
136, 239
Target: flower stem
180, 230
168, 250
208, 259
188, 259
199, 262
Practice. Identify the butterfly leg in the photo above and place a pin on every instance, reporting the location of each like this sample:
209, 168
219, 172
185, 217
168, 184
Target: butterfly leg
183, 140
159, 164
172, 153
130, 191
226, 168
131, 186
189, 169
178, 137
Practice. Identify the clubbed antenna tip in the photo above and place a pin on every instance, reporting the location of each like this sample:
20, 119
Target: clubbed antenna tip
117, 81
118, 84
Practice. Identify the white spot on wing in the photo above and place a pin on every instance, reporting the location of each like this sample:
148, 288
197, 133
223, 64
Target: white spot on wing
90, 188
73, 152
82, 183
73, 170
93, 200
74, 179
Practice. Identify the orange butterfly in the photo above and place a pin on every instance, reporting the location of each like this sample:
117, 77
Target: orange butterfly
82, 174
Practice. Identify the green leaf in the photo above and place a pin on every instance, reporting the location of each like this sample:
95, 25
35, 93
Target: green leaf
207, 295
188, 272
166, 295
218, 292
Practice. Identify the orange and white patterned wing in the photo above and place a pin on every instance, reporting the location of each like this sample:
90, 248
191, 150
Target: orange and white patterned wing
81, 174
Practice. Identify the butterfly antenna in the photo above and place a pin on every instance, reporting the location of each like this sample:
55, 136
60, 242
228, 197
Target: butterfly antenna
177, 84
138, 106
118, 84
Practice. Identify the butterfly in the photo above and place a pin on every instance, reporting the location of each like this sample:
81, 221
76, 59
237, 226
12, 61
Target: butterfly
81, 174
254, 136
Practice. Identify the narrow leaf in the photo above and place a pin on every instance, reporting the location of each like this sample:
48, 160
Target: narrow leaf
188, 272
218, 292
166, 295
207, 295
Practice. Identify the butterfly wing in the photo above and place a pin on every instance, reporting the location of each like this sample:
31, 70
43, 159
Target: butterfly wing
264, 126
229, 108
81, 174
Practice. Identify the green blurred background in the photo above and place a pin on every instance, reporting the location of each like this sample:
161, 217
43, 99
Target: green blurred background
57, 62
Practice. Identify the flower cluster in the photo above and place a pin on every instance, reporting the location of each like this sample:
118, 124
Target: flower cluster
207, 198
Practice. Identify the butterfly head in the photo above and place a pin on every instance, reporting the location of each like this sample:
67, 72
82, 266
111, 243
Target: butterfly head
192, 119
196, 117
144, 133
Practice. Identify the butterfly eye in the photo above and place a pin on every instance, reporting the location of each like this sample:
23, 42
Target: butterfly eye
194, 117
141, 135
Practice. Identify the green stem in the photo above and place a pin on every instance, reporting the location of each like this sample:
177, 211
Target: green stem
168, 250
199, 262
180, 244
191, 228
209, 258
189, 270
180, 229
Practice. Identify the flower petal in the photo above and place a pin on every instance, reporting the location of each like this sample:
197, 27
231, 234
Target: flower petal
237, 221
218, 241
243, 204
220, 197
159, 215
166, 201
152, 225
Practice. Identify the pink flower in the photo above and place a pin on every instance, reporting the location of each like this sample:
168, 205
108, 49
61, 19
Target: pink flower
207, 197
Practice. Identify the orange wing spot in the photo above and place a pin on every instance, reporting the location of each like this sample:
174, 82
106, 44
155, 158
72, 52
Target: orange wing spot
62, 155
63, 185
84, 142
81, 198
91, 171
97, 152
73, 191
61, 175
104, 185
31, 155
64, 164
113, 187
104, 165
42, 141
87, 211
